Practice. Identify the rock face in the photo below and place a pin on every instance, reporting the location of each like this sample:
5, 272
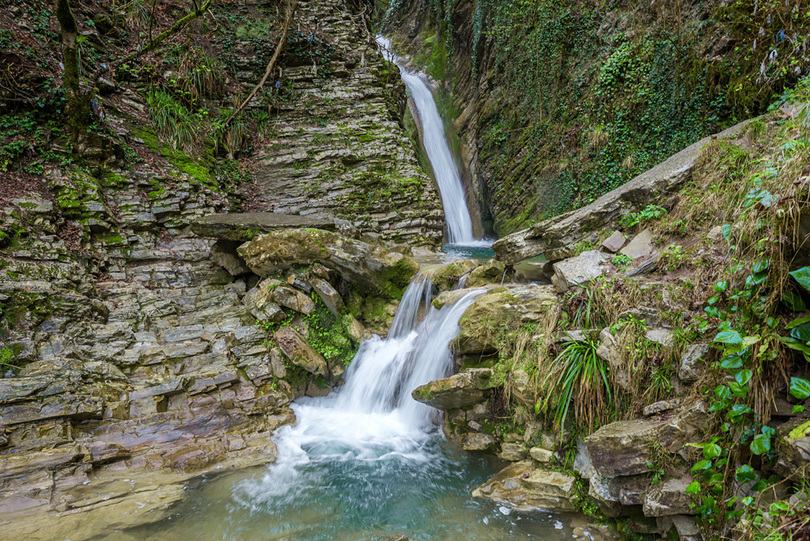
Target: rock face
338, 149
243, 227
368, 266
498, 309
556, 237
526, 488
625, 447
457, 391
299, 352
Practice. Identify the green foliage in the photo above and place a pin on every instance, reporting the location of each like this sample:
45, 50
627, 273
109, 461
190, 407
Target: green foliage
580, 377
328, 335
174, 123
649, 213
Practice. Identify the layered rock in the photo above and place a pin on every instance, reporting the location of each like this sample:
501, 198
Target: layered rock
497, 310
338, 149
524, 487
363, 264
457, 391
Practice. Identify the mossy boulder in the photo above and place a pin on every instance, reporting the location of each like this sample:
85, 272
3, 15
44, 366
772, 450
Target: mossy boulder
491, 272
502, 310
457, 391
447, 276
370, 267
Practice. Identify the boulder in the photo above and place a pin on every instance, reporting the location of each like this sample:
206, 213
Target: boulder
614, 242
663, 337
243, 227
475, 441
669, 498
524, 487
579, 270
328, 294
543, 456
299, 352
626, 447
491, 272
457, 391
501, 309
557, 236
447, 276
689, 370
259, 302
640, 246
512, 452
362, 264
293, 299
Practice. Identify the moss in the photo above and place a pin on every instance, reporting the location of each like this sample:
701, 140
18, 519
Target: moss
199, 170
396, 278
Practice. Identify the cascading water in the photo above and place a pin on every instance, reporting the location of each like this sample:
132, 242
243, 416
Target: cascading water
367, 461
445, 170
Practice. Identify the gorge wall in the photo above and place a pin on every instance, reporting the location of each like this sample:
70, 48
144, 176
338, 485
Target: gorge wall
553, 104
127, 348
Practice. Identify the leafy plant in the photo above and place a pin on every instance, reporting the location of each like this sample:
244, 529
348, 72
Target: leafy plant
580, 377
649, 213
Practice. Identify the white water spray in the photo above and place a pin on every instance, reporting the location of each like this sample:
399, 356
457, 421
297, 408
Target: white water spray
373, 416
448, 179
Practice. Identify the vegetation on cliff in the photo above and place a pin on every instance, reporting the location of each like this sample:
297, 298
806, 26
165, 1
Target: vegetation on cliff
565, 101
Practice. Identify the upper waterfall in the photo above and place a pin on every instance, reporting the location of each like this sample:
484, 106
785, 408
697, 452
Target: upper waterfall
445, 170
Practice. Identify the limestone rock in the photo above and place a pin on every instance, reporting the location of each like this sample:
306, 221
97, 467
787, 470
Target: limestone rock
794, 446
663, 337
614, 242
363, 264
543, 456
499, 308
625, 447
512, 452
669, 498
475, 441
259, 301
293, 299
579, 270
457, 391
447, 276
491, 272
525, 488
689, 370
687, 528
557, 236
299, 352
330, 297
247, 226
640, 246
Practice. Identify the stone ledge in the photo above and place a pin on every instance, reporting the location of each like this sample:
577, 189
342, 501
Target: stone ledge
243, 227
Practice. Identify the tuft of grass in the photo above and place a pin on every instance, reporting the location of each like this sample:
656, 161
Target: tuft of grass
580, 378
172, 121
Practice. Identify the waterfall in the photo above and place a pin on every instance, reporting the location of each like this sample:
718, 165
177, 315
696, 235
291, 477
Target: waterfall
372, 417
448, 179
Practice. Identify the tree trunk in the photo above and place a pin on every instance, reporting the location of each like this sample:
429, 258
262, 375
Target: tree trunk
76, 110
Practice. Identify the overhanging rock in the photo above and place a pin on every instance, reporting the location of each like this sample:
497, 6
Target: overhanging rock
243, 227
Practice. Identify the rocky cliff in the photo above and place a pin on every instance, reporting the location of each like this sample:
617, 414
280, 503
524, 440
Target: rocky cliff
137, 354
